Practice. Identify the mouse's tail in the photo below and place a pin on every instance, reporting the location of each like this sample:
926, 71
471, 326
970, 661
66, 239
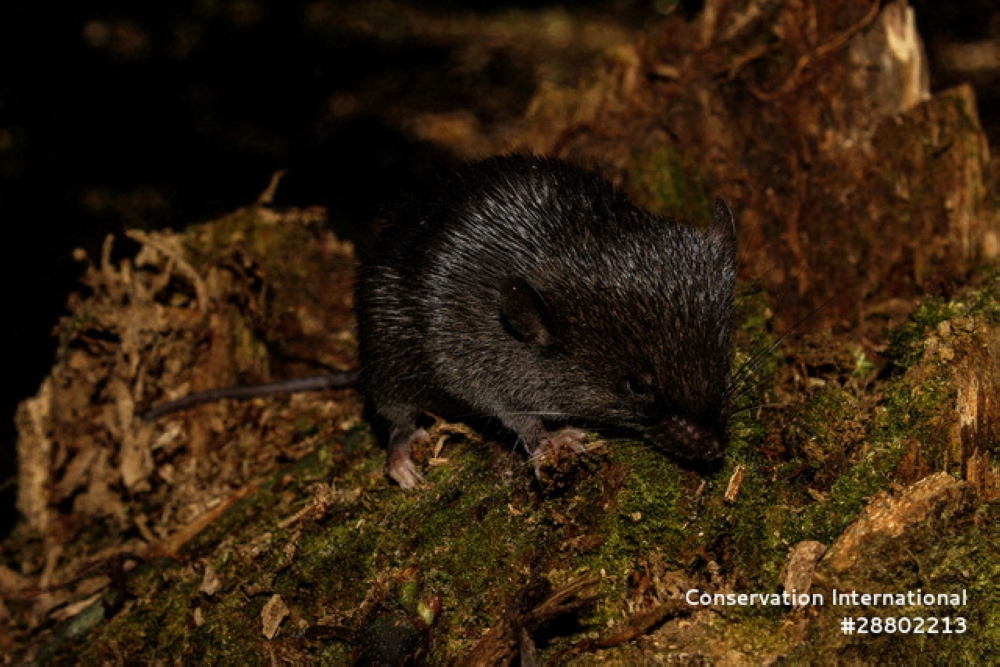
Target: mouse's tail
312, 383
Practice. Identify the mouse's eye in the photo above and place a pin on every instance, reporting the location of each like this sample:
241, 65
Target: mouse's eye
639, 387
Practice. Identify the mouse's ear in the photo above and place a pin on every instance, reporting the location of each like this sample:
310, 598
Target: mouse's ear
524, 313
723, 227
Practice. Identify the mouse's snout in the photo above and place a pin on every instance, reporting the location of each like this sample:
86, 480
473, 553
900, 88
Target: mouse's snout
688, 439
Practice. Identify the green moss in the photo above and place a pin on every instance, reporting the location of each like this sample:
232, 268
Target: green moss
162, 626
825, 520
906, 342
666, 184
911, 411
482, 527
650, 513
985, 301
754, 366
814, 429
962, 556
751, 532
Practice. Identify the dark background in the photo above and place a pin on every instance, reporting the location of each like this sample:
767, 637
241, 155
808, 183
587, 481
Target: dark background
116, 115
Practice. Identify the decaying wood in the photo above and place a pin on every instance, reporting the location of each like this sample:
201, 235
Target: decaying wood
850, 183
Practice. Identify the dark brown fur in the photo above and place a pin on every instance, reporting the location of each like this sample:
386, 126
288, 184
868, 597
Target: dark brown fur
531, 291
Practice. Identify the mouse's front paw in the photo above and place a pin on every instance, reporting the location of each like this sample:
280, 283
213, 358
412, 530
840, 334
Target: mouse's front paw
554, 448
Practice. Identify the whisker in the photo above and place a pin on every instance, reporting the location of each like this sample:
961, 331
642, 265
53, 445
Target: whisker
758, 406
741, 376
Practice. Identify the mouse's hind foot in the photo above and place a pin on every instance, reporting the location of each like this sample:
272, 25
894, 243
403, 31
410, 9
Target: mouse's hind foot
400, 466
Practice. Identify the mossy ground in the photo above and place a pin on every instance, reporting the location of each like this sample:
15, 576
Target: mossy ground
819, 428
345, 551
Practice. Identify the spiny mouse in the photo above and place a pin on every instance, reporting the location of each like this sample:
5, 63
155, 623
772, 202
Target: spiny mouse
532, 291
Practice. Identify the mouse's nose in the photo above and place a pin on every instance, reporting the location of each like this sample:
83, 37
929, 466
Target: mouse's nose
688, 439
